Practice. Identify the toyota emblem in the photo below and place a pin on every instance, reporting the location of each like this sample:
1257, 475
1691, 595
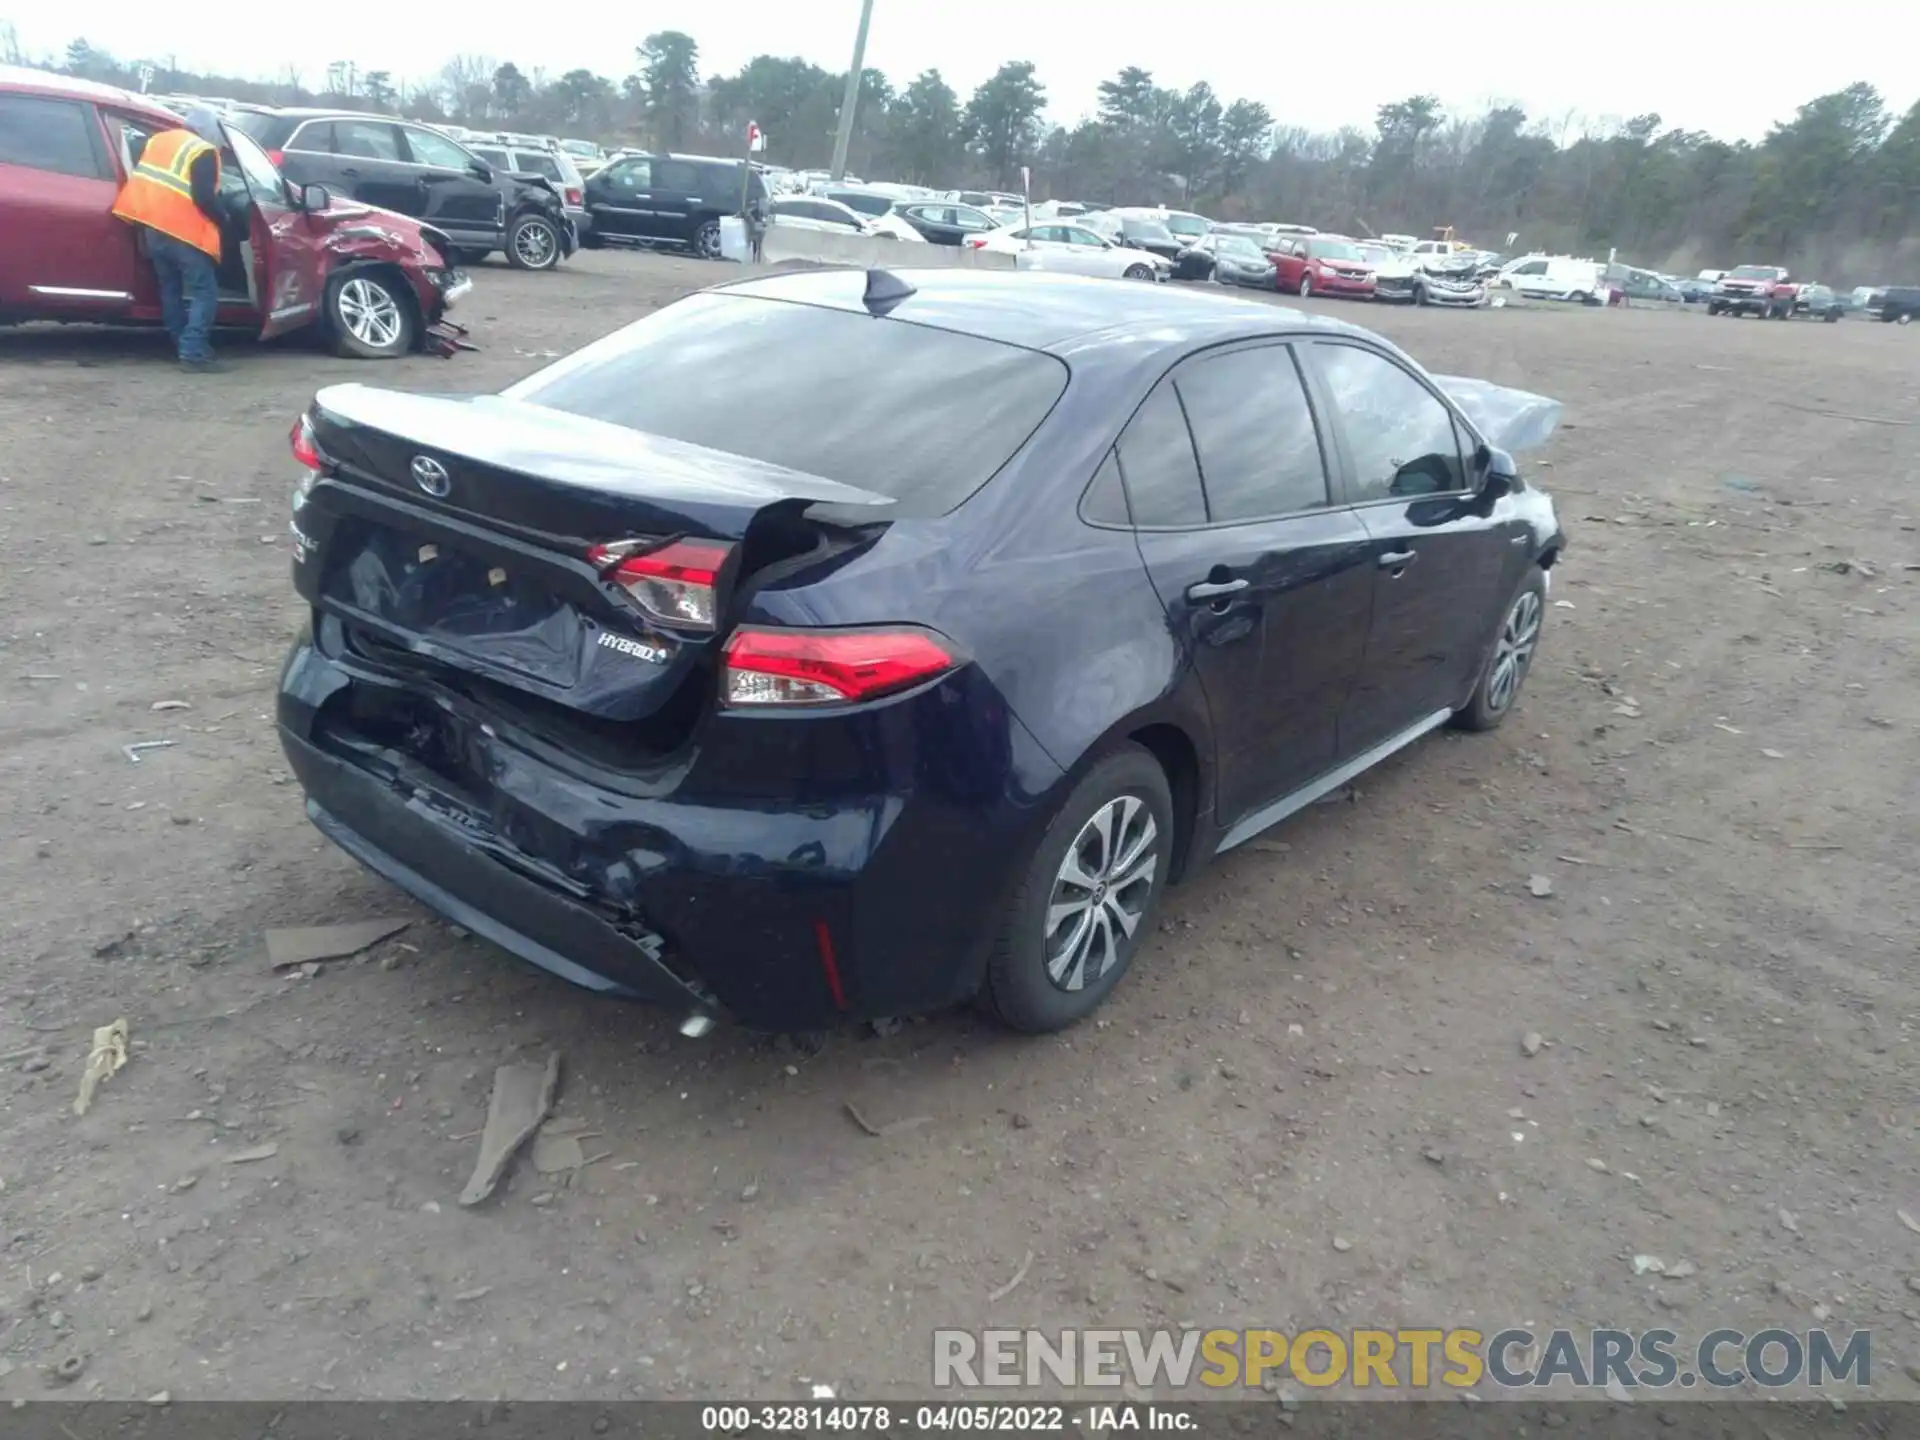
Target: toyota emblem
431, 476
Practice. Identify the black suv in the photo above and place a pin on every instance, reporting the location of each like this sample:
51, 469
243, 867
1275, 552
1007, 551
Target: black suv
671, 199
1896, 305
412, 168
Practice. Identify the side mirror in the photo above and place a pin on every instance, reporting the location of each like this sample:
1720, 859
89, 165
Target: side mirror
480, 170
313, 198
1499, 476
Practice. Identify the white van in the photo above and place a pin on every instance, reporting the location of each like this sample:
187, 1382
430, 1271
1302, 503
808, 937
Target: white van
1556, 277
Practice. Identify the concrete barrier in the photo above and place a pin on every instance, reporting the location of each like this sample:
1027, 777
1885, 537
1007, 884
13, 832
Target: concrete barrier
824, 247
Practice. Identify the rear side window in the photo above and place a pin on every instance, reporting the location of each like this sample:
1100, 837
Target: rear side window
316, 136
1259, 452
629, 175
676, 177
864, 203
496, 158
924, 416
1156, 461
51, 135
1106, 502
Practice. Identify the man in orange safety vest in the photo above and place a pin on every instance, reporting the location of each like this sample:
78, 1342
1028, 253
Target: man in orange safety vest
173, 197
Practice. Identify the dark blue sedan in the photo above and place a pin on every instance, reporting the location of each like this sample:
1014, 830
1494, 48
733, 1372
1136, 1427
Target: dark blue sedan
855, 644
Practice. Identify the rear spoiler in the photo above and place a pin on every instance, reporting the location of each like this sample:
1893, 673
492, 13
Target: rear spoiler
1510, 420
567, 449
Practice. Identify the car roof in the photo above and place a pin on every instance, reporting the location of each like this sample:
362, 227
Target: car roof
1043, 311
19, 77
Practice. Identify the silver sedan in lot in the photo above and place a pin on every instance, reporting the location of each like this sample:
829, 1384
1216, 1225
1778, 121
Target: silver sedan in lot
1238, 260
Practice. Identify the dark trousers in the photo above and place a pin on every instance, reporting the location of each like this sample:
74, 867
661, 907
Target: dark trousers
189, 294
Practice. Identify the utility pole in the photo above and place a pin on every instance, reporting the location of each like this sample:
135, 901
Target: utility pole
852, 98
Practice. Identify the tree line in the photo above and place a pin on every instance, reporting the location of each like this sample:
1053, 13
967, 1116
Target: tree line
1835, 189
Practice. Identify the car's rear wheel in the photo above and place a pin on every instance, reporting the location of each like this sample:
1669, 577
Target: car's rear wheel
1306, 285
1510, 659
1419, 293
1138, 272
706, 240
370, 317
533, 243
1088, 898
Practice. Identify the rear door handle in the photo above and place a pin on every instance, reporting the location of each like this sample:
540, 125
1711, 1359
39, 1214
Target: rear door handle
1395, 559
1214, 589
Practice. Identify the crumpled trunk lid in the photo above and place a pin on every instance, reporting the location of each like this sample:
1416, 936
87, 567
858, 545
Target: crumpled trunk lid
455, 532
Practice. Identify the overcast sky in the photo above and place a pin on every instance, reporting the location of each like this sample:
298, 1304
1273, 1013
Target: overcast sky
1321, 65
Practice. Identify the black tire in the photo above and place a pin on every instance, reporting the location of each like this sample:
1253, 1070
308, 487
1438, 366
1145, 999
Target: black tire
1714, 307
593, 240
1019, 989
533, 242
1494, 695
1832, 317
706, 240
1306, 285
1419, 293
465, 257
370, 315
1137, 272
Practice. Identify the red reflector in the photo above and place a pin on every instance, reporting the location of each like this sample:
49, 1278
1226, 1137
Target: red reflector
573, 198
829, 966
674, 583
829, 667
277, 157
304, 450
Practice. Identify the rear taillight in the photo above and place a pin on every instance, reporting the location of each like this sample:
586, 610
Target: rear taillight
277, 157
573, 198
304, 448
976, 242
829, 667
675, 583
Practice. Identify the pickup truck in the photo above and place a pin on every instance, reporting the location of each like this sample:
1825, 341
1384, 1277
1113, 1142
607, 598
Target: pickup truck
1762, 290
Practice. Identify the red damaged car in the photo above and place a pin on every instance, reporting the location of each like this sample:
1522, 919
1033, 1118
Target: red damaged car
1320, 265
377, 283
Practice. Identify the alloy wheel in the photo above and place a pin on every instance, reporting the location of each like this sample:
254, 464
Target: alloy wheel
534, 244
370, 314
1514, 653
707, 240
1101, 892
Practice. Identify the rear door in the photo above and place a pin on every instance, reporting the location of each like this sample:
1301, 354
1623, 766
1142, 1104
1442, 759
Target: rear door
372, 163
1262, 572
1439, 568
455, 198
60, 247
620, 198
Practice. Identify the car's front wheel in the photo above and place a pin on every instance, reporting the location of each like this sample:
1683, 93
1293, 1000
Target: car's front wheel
533, 243
1138, 272
1306, 285
369, 316
1510, 659
1088, 899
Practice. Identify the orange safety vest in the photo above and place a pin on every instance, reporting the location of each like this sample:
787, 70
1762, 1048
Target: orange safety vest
159, 192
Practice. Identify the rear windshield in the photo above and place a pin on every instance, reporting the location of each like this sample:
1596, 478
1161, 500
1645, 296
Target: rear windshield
269, 130
924, 416
1186, 225
860, 200
1144, 229
537, 162
1752, 272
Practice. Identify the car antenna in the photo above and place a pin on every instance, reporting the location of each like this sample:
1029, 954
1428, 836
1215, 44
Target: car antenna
884, 291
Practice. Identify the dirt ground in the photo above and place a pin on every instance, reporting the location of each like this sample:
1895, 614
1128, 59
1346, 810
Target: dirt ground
1309, 1104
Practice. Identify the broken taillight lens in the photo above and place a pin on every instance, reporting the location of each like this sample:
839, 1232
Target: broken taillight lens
304, 448
677, 583
829, 667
